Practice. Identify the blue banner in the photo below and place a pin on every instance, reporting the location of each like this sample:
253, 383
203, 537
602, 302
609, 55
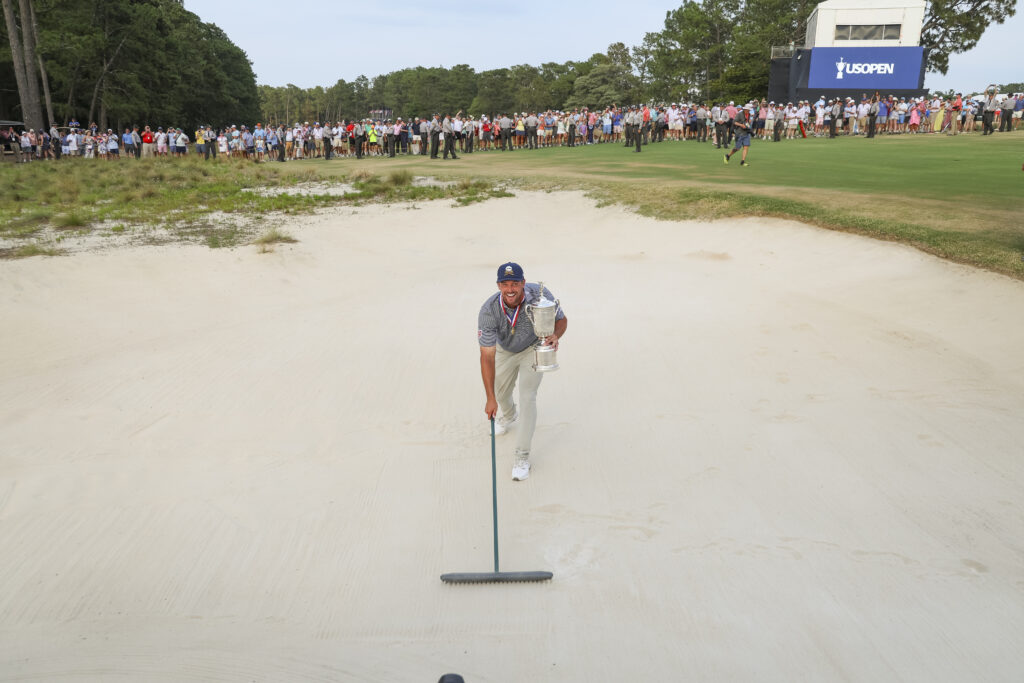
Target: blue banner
866, 68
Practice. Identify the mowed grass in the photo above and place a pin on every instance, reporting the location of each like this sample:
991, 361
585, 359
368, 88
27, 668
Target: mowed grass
969, 167
961, 198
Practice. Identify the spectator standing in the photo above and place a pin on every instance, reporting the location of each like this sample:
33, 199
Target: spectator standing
359, 136
201, 143
113, 151
531, 130
730, 115
449, 137
991, 107
435, 135
469, 129
403, 135
1006, 114
702, 123
248, 143
718, 121
129, 142
505, 127
884, 113
148, 143
863, 111
957, 106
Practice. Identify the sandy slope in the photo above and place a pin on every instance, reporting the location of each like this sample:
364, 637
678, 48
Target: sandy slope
772, 453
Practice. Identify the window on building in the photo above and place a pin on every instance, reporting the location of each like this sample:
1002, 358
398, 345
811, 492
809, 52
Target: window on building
868, 31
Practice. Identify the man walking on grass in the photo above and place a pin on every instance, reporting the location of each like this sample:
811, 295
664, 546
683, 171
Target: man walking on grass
741, 128
506, 339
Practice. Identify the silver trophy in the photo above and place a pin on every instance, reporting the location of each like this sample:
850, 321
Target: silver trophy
542, 316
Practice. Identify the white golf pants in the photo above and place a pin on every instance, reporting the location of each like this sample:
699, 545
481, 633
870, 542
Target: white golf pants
507, 368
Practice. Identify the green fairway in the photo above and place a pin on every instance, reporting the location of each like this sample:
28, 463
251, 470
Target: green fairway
961, 198
916, 165
984, 171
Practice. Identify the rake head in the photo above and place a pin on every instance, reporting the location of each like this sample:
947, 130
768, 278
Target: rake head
495, 577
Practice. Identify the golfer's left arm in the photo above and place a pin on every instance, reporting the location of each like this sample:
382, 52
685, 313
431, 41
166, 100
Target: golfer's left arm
560, 326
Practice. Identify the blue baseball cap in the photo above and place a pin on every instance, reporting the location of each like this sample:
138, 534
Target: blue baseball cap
510, 271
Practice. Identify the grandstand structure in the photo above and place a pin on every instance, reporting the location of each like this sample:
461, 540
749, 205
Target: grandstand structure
853, 48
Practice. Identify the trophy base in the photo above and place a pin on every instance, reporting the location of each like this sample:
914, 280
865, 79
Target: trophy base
544, 359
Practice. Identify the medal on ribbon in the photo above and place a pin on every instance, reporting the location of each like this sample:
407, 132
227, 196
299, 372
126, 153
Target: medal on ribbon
511, 318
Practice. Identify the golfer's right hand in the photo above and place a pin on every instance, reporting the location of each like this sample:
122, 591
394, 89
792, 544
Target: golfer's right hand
491, 409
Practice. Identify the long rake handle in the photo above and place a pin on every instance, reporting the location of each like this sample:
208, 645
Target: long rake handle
494, 496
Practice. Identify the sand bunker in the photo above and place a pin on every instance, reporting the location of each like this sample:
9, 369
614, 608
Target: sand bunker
772, 453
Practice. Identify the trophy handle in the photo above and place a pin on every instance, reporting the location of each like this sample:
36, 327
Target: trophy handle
529, 312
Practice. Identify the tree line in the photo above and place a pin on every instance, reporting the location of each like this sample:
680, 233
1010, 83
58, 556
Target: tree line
709, 50
120, 62
123, 61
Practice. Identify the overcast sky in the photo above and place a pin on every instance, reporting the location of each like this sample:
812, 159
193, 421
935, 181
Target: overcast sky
311, 44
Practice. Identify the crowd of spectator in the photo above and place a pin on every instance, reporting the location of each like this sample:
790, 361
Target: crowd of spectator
895, 115
458, 133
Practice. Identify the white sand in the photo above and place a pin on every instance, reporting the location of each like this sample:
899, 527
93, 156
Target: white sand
773, 453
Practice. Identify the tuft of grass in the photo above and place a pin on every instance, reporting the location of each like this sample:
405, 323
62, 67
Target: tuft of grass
29, 250
267, 240
274, 236
72, 219
361, 175
27, 223
400, 178
472, 185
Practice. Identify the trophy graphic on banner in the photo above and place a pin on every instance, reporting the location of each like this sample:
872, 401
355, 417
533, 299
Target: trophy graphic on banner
542, 316
839, 65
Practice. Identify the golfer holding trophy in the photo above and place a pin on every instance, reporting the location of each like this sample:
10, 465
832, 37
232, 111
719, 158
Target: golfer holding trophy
518, 331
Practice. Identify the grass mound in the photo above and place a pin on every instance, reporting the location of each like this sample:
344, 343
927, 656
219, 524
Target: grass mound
183, 197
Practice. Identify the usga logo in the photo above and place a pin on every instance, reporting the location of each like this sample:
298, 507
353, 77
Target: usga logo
865, 69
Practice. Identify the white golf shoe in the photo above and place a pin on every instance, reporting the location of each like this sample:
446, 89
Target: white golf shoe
521, 470
502, 424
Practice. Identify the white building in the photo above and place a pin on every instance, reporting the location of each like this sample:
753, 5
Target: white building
866, 23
